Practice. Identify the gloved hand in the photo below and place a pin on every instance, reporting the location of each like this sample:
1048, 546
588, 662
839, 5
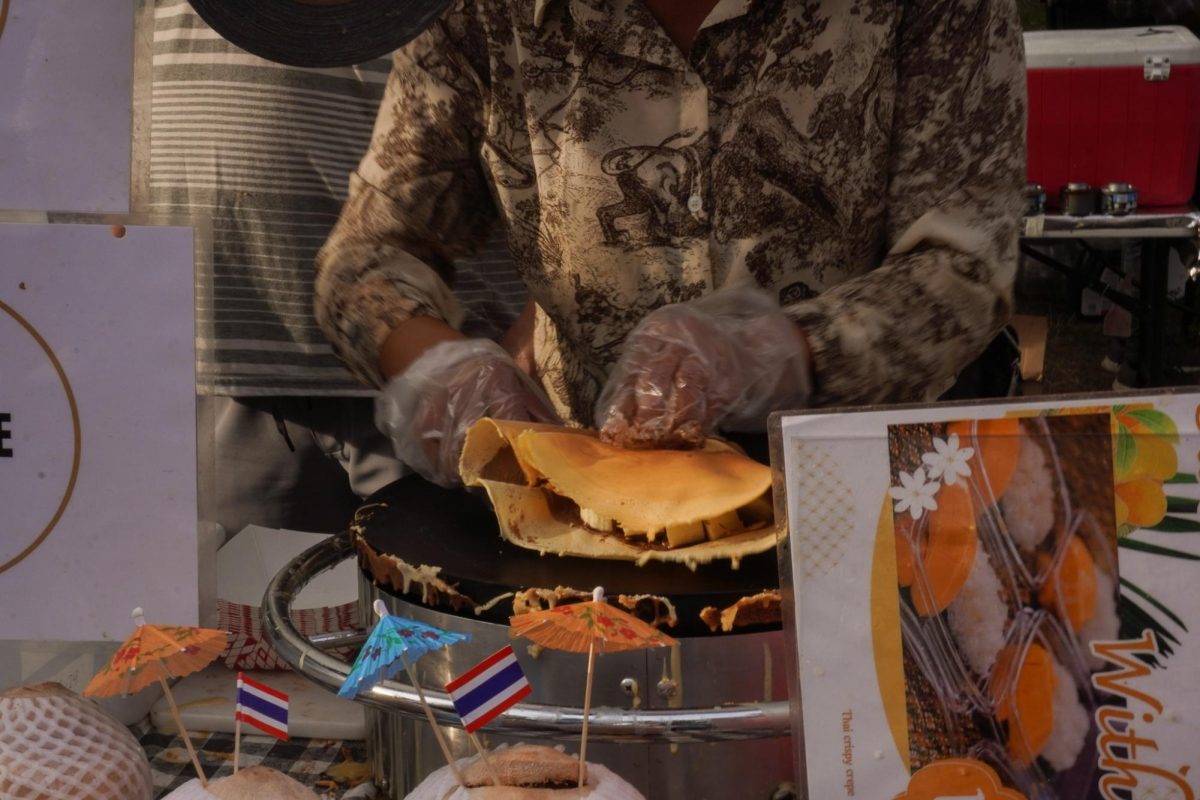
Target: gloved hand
723, 361
427, 409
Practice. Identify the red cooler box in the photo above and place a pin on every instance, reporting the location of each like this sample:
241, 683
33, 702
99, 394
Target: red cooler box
1115, 106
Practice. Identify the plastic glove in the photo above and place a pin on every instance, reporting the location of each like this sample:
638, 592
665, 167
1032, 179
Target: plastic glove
723, 361
427, 409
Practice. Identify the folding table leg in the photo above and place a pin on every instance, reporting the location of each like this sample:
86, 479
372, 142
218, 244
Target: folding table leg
1152, 302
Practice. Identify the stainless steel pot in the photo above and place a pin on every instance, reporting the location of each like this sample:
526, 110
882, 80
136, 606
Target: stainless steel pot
1118, 199
709, 719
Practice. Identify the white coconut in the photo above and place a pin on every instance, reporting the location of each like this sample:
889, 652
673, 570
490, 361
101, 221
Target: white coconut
250, 783
57, 745
192, 790
524, 764
979, 615
1028, 502
260, 783
1071, 722
1105, 625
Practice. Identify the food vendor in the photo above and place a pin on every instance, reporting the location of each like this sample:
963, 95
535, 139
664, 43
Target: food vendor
719, 207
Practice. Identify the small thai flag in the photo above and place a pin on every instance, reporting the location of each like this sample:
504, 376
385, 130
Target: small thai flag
489, 689
263, 707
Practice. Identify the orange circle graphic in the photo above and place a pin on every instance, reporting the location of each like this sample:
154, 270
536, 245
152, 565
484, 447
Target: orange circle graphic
62, 376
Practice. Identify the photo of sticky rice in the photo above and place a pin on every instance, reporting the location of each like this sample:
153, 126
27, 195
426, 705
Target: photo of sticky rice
564, 491
1005, 544
1038, 700
978, 617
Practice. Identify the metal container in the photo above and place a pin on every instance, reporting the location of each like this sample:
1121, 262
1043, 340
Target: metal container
1035, 199
709, 719
1118, 199
1077, 200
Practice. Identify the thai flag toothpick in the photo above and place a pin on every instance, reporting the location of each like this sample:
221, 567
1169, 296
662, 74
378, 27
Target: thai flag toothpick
489, 689
263, 707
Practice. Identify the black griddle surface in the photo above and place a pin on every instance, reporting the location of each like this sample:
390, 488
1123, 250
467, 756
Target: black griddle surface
456, 530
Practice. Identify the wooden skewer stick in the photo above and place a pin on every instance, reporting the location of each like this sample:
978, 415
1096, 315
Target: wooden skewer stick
437, 731
587, 713
187, 741
237, 742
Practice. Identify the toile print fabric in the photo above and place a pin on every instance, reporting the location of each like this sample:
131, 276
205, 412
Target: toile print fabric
861, 159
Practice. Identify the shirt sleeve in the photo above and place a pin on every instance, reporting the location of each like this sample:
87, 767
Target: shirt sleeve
954, 196
418, 200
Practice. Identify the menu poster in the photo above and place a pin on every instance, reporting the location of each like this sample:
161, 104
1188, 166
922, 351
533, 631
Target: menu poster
997, 601
97, 429
66, 104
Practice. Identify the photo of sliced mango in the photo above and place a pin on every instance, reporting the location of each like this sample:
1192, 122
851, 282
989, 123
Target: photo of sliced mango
1026, 701
906, 557
1072, 585
947, 552
997, 443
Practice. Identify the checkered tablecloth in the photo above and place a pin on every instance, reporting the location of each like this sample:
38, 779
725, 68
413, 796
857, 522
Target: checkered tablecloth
321, 764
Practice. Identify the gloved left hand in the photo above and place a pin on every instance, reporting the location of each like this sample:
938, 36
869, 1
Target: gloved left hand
427, 409
725, 361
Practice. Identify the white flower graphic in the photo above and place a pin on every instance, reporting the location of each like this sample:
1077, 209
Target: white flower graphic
948, 461
913, 494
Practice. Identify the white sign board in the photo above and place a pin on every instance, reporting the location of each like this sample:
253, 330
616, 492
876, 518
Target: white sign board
66, 105
97, 430
996, 601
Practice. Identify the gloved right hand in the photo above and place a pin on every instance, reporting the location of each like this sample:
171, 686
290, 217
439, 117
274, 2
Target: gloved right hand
427, 409
721, 361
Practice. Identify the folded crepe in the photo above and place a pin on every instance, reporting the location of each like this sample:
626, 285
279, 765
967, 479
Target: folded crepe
563, 491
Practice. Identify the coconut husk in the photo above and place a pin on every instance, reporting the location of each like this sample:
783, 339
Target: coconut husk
526, 772
539, 477
55, 744
260, 783
525, 765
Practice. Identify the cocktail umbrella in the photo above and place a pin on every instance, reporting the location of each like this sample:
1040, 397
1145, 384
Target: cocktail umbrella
589, 627
156, 653
396, 643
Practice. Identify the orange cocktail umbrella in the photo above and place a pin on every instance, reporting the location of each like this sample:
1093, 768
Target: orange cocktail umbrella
154, 653
588, 627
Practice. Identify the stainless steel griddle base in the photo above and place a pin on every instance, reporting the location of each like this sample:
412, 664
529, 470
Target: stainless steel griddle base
722, 733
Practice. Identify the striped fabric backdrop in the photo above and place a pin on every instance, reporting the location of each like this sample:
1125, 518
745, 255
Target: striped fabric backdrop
263, 152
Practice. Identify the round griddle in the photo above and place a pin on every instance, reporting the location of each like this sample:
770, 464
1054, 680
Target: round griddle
456, 530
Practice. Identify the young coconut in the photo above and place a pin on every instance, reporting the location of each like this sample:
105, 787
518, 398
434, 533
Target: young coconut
250, 783
55, 744
526, 772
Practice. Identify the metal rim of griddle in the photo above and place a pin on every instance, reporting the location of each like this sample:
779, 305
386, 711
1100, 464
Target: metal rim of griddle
685, 725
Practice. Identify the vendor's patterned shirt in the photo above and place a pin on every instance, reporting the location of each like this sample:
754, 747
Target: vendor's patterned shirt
861, 159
